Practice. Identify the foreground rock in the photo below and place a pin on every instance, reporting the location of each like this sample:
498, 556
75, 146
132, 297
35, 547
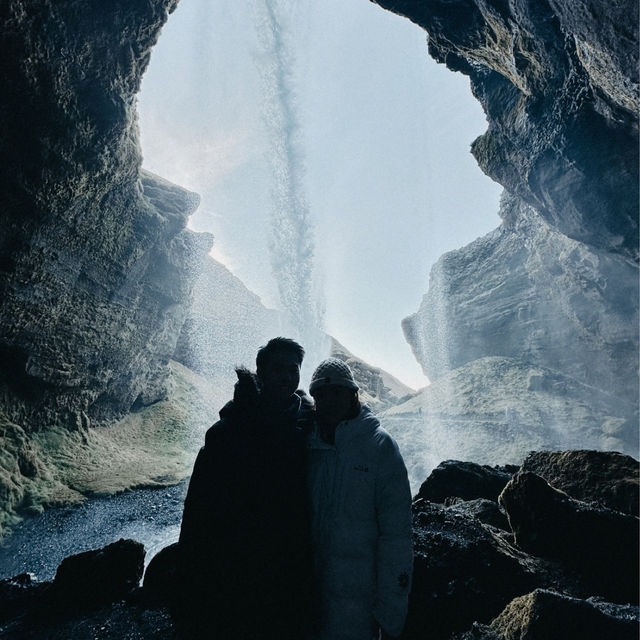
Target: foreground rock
466, 571
569, 567
547, 615
607, 478
465, 480
100, 576
599, 542
94, 595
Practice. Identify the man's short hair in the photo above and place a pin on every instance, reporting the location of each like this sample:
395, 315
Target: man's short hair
277, 345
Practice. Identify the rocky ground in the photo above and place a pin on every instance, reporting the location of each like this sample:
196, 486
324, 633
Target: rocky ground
38, 544
499, 554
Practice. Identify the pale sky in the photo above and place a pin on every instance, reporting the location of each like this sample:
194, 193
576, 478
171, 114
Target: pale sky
383, 134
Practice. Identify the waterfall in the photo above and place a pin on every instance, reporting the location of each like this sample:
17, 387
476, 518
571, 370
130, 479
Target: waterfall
291, 244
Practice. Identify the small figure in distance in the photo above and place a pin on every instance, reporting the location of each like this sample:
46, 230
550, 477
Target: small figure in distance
245, 543
361, 514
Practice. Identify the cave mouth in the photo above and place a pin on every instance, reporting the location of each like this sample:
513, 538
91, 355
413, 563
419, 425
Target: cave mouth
332, 125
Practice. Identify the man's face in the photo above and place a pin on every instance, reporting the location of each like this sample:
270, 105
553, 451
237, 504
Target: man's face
280, 376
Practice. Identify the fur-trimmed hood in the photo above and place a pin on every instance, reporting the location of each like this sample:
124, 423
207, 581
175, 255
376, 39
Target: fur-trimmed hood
247, 404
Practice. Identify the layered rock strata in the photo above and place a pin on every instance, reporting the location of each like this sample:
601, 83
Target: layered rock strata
567, 313
559, 85
95, 258
556, 286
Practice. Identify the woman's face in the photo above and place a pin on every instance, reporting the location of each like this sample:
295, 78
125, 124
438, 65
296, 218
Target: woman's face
333, 404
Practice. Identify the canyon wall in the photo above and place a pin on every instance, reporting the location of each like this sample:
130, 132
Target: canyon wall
553, 292
95, 259
98, 270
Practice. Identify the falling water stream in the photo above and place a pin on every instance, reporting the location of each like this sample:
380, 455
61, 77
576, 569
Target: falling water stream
347, 217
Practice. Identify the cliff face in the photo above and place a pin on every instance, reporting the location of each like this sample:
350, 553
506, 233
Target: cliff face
559, 84
556, 286
527, 291
94, 256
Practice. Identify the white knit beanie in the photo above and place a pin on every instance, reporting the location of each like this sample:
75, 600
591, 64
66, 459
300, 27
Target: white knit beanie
332, 372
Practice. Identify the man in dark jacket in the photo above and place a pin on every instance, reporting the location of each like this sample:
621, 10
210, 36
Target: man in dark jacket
245, 539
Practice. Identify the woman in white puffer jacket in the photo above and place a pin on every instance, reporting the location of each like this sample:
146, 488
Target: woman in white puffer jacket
361, 514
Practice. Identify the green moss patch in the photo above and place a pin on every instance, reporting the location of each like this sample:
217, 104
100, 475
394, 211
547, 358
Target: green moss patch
155, 446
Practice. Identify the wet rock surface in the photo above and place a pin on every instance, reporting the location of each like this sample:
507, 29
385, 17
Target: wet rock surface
487, 511
604, 477
600, 542
465, 480
566, 568
547, 615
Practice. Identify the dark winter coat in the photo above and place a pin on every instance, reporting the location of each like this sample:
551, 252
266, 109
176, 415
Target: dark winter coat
245, 538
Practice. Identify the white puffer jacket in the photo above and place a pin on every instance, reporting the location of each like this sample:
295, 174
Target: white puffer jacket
361, 504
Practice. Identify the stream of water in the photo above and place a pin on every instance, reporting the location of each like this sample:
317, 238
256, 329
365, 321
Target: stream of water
39, 543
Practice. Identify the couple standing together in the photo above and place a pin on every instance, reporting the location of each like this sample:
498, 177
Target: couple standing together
297, 521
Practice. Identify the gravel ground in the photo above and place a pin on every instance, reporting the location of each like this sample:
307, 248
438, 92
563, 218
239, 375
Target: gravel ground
39, 543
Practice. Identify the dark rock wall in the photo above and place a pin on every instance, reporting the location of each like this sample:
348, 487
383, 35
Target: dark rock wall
94, 256
559, 84
95, 260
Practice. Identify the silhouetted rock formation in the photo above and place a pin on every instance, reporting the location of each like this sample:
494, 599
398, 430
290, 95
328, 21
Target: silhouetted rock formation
466, 571
95, 259
93, 595
607, 478
602, 543
559, 85
466, 480
100, 576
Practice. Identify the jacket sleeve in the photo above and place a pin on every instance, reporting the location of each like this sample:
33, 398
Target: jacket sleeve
203, 504
195, 504
395, 547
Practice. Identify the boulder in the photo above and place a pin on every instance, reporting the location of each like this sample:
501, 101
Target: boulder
487, 511
101, 575
161, 575
20, 594
466, 480
608, 478
600, 542
547, 615
465, 571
